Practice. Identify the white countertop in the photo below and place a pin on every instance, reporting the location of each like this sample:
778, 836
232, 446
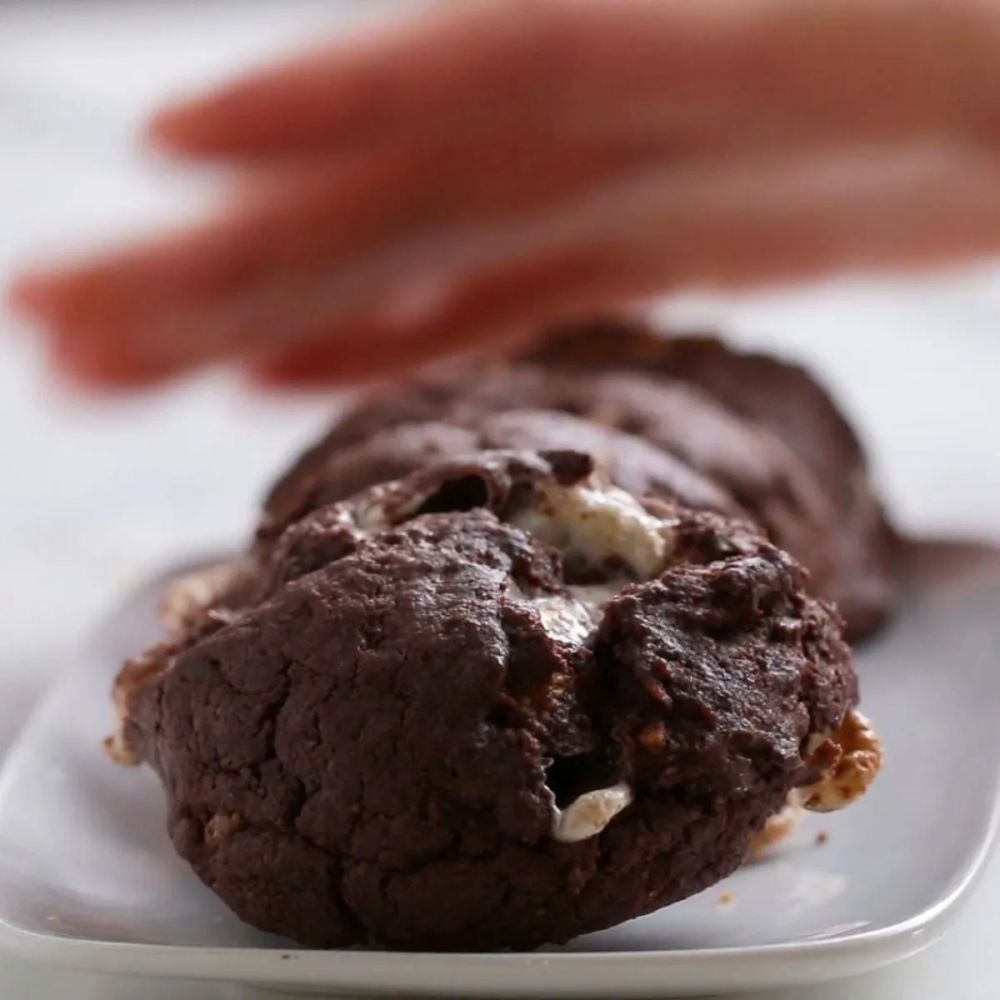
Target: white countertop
95, 494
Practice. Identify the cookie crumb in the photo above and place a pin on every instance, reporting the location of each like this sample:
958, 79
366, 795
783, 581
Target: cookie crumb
778, 827
726, 899
221, 826
850, 759
821, 838
654, 736
121, 751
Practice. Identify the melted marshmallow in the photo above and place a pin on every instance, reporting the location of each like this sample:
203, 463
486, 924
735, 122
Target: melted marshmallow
598, 522
588, 815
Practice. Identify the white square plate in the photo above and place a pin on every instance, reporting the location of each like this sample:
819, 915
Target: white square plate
88, 878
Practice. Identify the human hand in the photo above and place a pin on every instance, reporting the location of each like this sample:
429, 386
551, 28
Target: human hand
481, 168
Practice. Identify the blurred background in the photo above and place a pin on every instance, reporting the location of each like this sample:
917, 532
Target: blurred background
95, 494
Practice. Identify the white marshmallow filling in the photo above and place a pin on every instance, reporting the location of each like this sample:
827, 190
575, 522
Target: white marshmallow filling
587, 815
602, 527
598, 524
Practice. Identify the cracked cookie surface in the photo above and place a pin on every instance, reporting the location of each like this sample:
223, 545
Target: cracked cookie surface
747, 464
784, 398
391, 738
762, 430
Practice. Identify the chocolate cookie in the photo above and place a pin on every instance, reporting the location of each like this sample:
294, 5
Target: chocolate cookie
627, 461
786, 399
746, 461
496, 703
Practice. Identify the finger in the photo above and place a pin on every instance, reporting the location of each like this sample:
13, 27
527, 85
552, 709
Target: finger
371, 350
298, 229
644, 234
388, 81
755, 72
775, 223
268, 227
494, 303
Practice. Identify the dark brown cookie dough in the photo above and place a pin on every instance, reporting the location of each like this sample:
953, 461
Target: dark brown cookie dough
494, 704
746, 461
628, 461
786, 399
